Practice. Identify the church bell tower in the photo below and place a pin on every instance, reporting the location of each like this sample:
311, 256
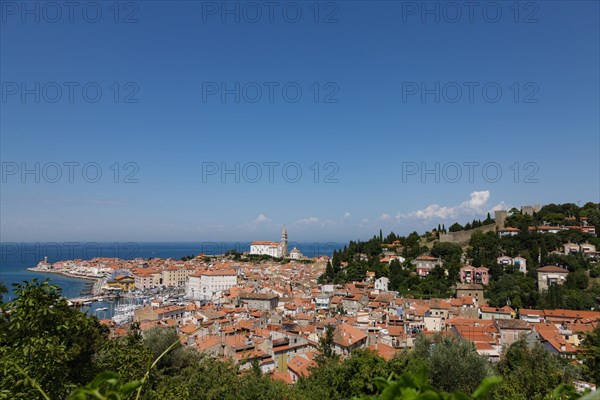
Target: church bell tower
284, 243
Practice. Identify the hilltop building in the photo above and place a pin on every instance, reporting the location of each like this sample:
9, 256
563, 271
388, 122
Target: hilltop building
273, 249
551, 275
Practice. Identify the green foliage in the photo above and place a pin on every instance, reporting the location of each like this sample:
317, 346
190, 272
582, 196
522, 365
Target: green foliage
106, 386
521, 290
484, 248
531, 372
577, 280
455, 227
452, 364
52, 343
590, 355
450, 253
343, 380
415, 387
325, 348
129, 357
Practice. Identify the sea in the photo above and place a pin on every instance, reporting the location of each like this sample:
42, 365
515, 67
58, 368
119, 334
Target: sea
16, 257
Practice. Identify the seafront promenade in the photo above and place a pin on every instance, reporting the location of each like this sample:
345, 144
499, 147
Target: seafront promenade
68, 274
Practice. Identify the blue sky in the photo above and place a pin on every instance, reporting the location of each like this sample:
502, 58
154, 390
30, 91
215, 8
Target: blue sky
370, 115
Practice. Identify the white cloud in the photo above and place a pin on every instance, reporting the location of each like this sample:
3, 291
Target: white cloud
308, 221
347, 215
477, 204
385, 217
500, 206
261, 219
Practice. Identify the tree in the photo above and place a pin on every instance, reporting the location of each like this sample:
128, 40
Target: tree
455, 227
129, 357
45, 339
520, 290
484, 248
450, 253
577, 280
531, 372
454, 365
415, 386
325, 347
590, 355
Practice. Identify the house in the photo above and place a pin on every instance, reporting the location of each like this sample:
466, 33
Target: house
300, 365
285, 347
571, 248
122, 282
497, 313
519, 262
355, 303
551, 275
389, 258
369, 277
424, 264
471, 274
589, 229
508, 232
511, 330
383, 350
582, 386
589, 251
322, 301
472, 290
147, 278
545, 229
150, 313
347, 338
175, 276
381, 284
260, 301
551, 339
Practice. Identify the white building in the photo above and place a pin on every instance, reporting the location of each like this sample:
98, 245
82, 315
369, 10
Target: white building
295, 254
273, 249
518, 262
147, 279
382, 284
210, 284
508, 232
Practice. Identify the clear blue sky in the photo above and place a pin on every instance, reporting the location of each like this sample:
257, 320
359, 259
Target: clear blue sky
369, 59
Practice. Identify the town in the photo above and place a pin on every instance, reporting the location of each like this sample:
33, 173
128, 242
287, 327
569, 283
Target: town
273, 306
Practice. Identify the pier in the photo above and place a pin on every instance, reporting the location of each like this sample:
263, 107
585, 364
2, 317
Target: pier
80, 301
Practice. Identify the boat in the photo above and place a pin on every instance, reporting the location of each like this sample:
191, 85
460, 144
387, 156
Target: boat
101, 309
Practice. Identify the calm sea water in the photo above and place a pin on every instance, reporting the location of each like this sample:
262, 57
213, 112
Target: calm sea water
16, 257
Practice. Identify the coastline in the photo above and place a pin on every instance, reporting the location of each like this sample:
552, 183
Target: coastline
63, 273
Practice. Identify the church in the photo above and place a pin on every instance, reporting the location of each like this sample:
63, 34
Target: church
273, 249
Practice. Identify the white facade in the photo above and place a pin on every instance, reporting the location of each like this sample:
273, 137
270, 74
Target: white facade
295, 254
382, 284
193, 288
210, 284
273, 249
519, 262
147, 280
